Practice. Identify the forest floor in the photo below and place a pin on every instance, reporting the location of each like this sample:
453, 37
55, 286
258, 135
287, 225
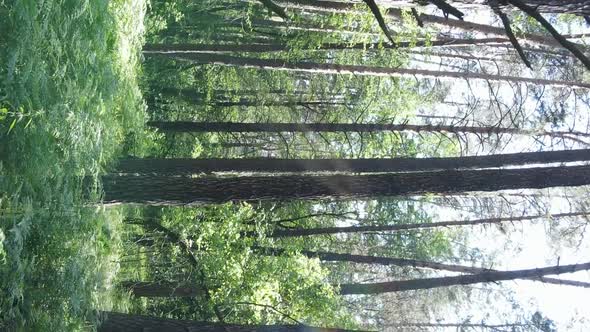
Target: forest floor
69, 96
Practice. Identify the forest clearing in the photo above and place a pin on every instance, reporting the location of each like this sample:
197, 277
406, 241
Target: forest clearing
294, 165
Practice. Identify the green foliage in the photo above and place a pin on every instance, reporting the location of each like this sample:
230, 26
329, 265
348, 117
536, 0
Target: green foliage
69, 97
246, 287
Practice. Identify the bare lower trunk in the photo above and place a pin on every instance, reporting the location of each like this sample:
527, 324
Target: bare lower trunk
256, 48
180, 190
185, 126
270, 165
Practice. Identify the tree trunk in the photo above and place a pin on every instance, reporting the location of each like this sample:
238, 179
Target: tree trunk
396, 13
180, 190
328, 68
119, 322
387, 261
192, 96
249, 102
270, 165
282, 233
258, 48
491, 327
576, 7
226, 127
428, 283
161, 289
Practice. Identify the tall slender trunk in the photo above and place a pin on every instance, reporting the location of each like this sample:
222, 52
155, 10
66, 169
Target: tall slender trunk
257, 48
119, 322
344, 7
428, 283
492, 327
271, 165
186, 126
180, 190
250, 102
387, 261
222, 94
328, 68
576, 7
282, 233
190, 95
289, 26
161, 289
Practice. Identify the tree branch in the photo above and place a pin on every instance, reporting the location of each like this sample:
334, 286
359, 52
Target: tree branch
560, 39
377, 13
275, 8
416, 16
512, 37
447, 9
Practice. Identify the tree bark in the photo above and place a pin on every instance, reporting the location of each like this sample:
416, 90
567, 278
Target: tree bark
186, 126
259, 48
119, 322
161, 289
180, 190
270, 165
491, 327
282, 233
328, 68
428, 283
396, 13
576, 7
387, 261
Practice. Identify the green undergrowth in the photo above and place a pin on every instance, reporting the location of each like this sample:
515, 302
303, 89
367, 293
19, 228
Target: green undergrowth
68, 99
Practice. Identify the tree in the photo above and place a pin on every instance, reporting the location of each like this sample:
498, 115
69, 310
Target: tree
396, 13
266, 47
161, 289
328, 68
271, 165
186, 126
464, 326
387, 261
428, 283
177, 190
119, 322
293, 232
577, 7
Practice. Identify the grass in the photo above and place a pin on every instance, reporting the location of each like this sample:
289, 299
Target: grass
68, 98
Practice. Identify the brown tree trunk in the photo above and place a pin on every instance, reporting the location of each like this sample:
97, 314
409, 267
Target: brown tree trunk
491, 327
271, 165
328, 68
186, 126
257, 48
488, 276
281, 233
387, 261
119, 322
161, 289
180, 190
340, 6
576, 7
190, 95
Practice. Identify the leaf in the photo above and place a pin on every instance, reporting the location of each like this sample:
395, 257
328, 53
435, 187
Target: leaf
11, 126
